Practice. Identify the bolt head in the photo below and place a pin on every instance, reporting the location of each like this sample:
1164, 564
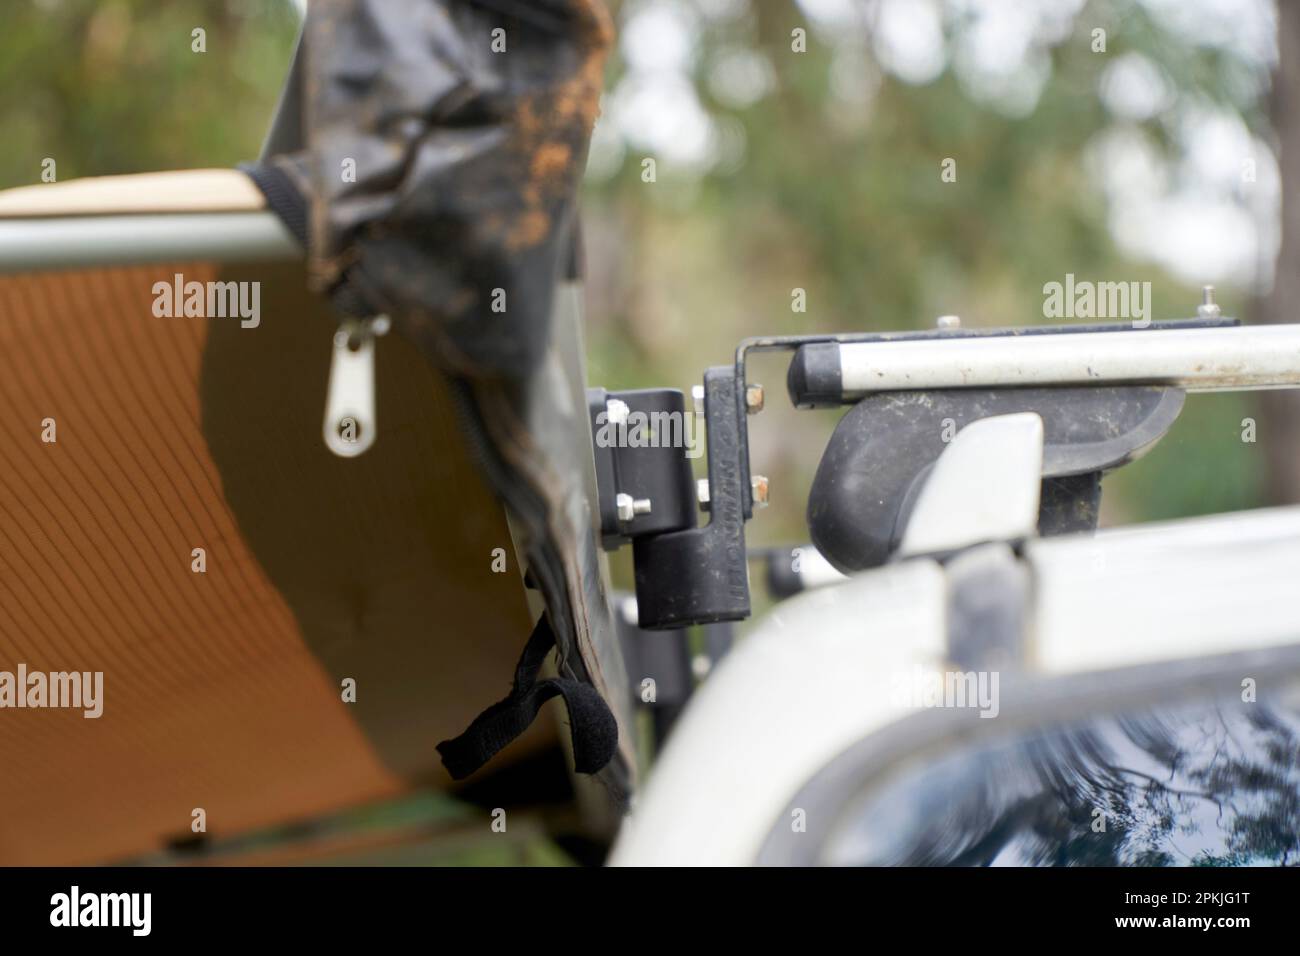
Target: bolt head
947, 322
753, 399
758, 487
616, 411
628, 610
629, 507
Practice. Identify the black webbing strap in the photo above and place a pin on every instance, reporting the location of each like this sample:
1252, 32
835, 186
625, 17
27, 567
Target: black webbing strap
591, 724
282, 196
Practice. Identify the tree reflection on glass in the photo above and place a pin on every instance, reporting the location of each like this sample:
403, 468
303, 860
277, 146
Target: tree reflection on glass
1204, 784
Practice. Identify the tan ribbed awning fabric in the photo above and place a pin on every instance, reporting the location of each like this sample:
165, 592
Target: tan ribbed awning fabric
222, 689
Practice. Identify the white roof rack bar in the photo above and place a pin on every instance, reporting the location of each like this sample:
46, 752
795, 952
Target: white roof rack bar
1196, 359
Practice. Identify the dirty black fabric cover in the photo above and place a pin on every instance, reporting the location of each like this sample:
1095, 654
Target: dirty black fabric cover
466, 124
437, 146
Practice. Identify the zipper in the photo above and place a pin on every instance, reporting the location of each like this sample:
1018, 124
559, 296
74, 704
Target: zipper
350, 421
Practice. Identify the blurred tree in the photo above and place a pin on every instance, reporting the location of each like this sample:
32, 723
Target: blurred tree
115, 86
825, 172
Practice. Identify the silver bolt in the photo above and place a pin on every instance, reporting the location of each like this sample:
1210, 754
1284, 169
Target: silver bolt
758, 485
697, 398
753, 399
628, 610
702, 493
629, 507
948, 322
1208, 309
616, 411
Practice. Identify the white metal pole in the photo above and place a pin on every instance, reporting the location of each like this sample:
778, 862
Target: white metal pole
1200, 359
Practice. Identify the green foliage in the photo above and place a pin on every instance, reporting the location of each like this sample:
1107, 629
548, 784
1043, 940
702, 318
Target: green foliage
844, 198
105, 87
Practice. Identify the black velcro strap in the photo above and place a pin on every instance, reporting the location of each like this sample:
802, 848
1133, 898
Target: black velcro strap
591, 724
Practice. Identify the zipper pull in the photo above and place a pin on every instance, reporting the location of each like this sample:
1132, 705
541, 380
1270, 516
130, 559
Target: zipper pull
350, 401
